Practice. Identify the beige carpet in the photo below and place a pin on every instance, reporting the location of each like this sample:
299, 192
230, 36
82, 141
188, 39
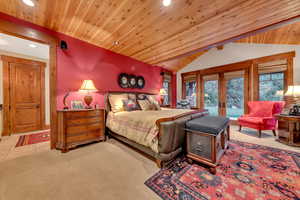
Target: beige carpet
101, 171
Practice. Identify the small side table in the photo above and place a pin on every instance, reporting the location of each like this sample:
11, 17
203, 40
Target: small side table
290, 136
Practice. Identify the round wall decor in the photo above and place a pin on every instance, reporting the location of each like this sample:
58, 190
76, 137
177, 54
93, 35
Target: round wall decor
140, 82
132, 81
123, 80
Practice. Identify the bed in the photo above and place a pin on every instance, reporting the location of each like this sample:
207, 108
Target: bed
157, 133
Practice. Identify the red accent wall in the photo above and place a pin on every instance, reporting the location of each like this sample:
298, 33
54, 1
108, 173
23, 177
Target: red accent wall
86, 61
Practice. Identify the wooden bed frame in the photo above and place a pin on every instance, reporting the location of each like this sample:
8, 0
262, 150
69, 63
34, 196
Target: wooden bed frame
143, 149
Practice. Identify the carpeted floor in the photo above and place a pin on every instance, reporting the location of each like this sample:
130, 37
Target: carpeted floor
107, 170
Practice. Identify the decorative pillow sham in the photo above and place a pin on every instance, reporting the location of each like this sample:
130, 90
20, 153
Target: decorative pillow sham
141, 96
154, 102
132, 96
145, 105
116, 102
130, 105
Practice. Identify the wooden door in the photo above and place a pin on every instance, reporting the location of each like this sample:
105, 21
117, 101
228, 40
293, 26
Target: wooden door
26, 95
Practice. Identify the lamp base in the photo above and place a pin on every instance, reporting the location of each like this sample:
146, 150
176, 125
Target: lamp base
88, 99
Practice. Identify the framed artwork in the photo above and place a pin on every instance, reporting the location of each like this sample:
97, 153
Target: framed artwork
75, 105
132, 81
123, 80
140, 82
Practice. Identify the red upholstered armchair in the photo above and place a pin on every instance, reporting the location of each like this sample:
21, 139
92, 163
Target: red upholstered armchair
261, 115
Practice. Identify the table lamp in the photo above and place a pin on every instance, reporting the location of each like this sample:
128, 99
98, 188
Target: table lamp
163, 93
294, 93
87, 87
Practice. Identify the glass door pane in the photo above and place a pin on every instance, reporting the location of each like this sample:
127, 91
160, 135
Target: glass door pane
211, 96
190, 89
234, 97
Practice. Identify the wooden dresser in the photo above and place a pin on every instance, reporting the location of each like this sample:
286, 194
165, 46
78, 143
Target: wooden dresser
76, 127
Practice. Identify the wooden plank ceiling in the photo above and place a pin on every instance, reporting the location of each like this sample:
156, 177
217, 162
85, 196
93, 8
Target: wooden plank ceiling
288, 34
149, 32
284, 35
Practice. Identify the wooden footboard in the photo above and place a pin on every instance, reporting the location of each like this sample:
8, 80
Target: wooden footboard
167, 119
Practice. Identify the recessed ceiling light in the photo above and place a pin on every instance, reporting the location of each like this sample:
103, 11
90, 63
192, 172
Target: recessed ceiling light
167, 2
33, 46
3, 42
116, 42
28, 2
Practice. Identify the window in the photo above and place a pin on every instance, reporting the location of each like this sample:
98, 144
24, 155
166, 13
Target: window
211, 96
235, 97
271, 86
167, 78
167, 86
190, 92
189, 89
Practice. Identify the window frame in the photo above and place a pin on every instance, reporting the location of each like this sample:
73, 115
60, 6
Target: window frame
288, 73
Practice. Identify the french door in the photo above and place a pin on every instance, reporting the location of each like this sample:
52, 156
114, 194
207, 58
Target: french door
225, 93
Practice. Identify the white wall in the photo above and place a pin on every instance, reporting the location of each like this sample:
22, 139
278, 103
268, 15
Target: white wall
237, 52
47, 86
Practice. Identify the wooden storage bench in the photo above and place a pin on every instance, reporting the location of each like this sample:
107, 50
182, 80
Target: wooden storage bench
207, 139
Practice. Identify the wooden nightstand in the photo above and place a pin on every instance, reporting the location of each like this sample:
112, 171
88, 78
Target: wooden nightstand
290, 136
76, 127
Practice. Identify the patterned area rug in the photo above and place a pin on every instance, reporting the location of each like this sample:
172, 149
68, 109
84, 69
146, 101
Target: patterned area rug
247, 171
33, 138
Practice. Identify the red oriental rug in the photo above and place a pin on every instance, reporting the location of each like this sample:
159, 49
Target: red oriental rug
246, 172
33, 138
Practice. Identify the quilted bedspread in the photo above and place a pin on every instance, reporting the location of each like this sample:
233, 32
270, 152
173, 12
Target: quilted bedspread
140, 126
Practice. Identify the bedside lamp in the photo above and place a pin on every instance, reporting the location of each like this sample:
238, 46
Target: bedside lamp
87, 87
294, 93
162, 93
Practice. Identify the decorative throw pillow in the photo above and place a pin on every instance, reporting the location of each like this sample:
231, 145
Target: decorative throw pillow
154, 102
141, 96
132, 96
145, 105
130, 105
116, 102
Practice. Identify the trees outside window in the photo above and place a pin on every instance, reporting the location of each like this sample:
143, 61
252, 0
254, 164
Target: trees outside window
235, 98
167, 98
190, 88
271, 86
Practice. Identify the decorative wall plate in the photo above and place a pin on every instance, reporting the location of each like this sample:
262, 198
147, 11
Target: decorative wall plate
140, 82
123, 80
132, 81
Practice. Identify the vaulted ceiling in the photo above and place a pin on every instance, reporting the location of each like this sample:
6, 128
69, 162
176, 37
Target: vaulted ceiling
288, 34
149, 32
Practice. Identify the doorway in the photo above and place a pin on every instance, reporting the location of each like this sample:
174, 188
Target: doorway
226, 93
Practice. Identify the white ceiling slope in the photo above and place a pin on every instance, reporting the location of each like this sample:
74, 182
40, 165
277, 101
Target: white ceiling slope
21, 46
